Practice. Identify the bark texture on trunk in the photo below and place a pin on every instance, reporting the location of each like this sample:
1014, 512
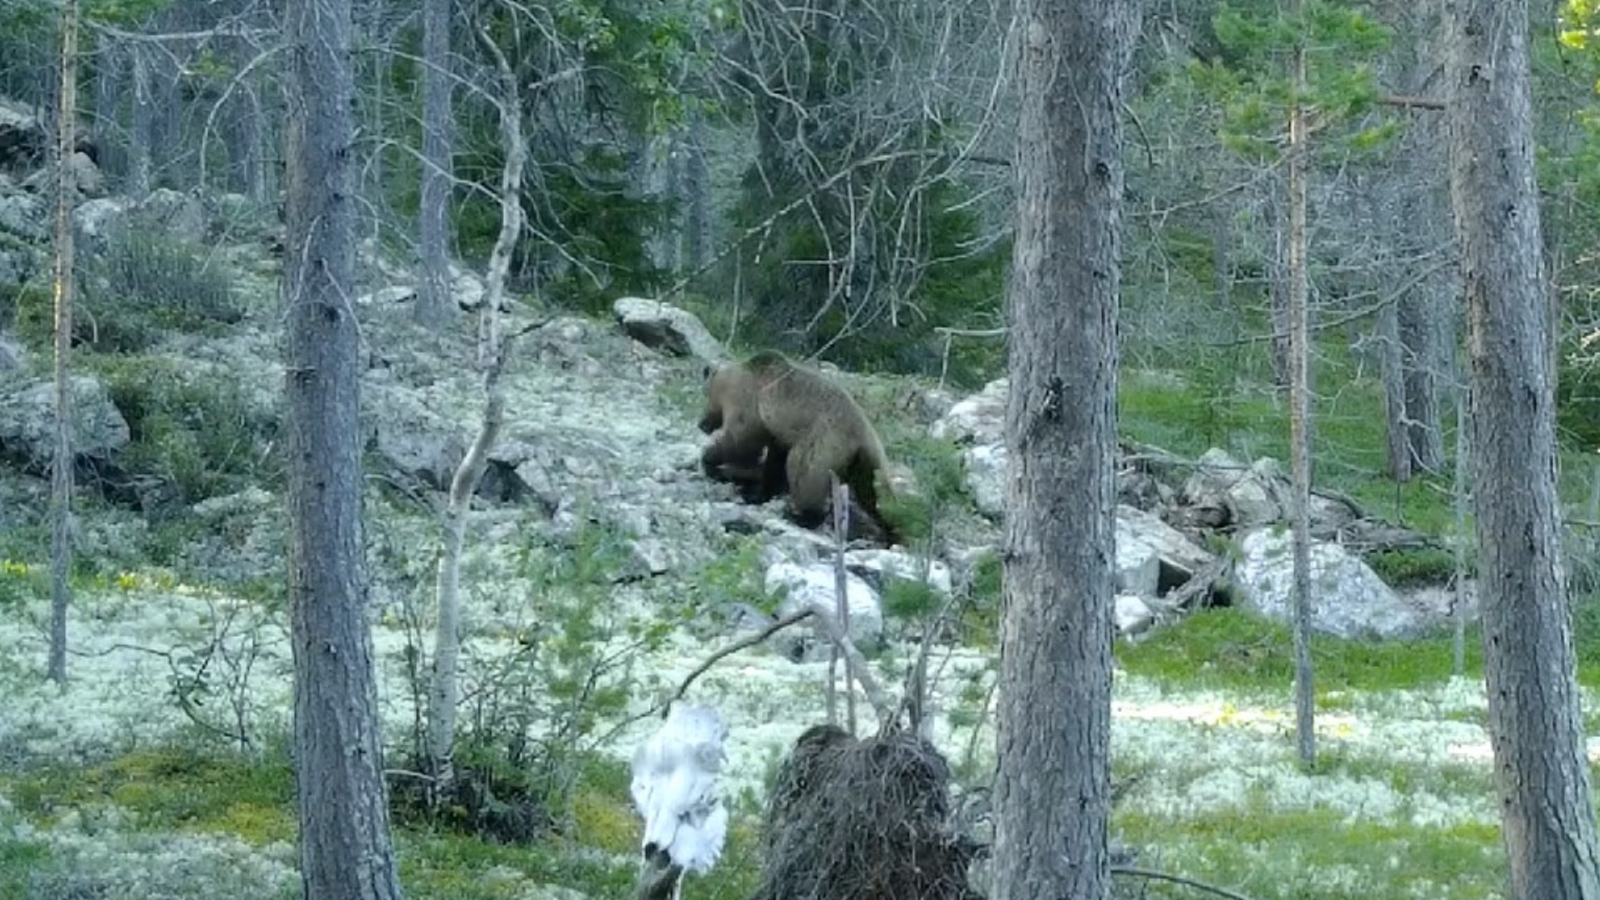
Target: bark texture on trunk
1300, 408
1534, 718
345, 849
1052, 791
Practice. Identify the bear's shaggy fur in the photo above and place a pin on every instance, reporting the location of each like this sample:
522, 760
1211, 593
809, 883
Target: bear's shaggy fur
783, 427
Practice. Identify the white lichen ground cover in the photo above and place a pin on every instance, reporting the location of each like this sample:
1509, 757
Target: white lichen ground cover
1400, 806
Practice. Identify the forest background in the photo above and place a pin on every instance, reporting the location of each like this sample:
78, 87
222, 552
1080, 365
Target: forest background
833, 180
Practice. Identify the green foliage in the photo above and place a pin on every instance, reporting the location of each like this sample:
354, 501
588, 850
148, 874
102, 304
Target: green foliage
532, 717
581, 199
881, 241
123, 12
1217, 398
141, 286
909, 600
1580, 20
27, 309
586, 211
192, 430
940, 485
1422, 565
1249, 77
1225, 846
1586, 637
173, 787
20, 585
980, 614
735, 575
21, 861
1232, 649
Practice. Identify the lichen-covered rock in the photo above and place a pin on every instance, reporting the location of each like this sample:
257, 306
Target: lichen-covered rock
27, 423
667, 328
1348, 599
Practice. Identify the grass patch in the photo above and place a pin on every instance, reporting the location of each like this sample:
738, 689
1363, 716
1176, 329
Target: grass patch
1319, 854
1232, 649
444, 866
174, 788
19, 860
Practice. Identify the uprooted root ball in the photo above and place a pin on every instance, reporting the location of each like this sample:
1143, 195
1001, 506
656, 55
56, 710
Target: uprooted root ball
863, 820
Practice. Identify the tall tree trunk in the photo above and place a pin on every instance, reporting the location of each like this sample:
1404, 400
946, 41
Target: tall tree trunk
1459, 500
1422, 324
1052, 790
167, 149
434, 303
61, 457
1222, 258
1425, 323
1278, 291
242, 127
1300, 402
345, 849
1391, 354
697, 190
108, 76
1535, 725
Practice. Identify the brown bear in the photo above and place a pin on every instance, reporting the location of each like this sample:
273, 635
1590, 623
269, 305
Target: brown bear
783, 427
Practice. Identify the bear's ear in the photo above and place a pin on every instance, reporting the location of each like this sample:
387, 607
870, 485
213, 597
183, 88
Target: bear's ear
708, 371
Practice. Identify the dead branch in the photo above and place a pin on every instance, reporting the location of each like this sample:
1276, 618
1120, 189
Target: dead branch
735, 647
1406, 102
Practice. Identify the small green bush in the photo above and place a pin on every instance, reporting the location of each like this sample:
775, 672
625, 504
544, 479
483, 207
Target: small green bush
910, 600
194, 432
20, 584
1413, 566
141, 286
939, 477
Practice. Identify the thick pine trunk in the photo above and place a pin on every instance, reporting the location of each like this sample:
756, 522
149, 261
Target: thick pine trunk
1534, 719
345, 849
1052, 790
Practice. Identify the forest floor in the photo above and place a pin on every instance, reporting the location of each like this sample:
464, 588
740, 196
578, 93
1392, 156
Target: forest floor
107, 791
161, 769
